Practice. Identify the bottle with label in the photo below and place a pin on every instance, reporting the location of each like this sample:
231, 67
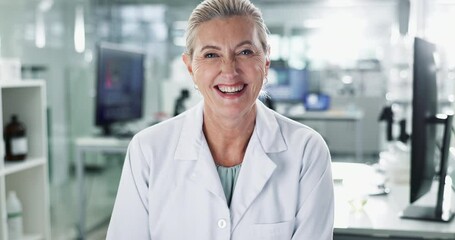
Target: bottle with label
14, 217
15, 140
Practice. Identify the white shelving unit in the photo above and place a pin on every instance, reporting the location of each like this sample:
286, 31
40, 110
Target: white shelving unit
28, 178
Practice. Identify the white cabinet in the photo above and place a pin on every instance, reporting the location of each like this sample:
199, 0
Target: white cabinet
28, 178
339, 133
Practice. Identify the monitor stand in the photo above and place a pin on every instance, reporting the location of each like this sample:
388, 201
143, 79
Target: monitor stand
442, 211
109, 131
428, 213
106, 130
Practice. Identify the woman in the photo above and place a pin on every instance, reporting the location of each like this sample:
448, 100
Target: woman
229, 168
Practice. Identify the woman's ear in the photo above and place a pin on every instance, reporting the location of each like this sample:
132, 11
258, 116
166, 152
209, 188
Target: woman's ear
267, 60
187, 60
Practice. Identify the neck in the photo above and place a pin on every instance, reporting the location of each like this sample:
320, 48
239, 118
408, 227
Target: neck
228, 138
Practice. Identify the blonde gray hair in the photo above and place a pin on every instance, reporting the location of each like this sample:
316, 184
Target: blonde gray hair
210, 9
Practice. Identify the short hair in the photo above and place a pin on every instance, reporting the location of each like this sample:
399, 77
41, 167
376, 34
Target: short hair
211, 9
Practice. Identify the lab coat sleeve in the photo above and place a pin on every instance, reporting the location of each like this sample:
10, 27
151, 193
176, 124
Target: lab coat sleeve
315, 216
129, 218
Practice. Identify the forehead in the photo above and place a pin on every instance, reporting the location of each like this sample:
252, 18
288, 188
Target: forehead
226, 32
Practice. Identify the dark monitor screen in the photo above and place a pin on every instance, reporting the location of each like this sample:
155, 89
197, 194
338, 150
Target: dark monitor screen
424, 106
120, 82
425, 120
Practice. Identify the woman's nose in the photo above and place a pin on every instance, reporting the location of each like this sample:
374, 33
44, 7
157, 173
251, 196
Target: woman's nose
229, 67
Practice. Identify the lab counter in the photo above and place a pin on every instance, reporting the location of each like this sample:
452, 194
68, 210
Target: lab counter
379, 217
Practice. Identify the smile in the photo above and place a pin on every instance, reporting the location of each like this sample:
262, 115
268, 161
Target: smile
231, 89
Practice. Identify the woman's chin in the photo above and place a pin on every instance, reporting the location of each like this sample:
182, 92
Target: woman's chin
234, 111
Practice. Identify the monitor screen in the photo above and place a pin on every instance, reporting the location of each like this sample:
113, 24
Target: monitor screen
424, 106
288, 84
120, 84
425, 120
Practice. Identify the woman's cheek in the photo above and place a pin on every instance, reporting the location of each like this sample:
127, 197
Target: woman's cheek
204, 66
196, 66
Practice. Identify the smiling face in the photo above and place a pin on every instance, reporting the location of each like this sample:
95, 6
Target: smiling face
228, 65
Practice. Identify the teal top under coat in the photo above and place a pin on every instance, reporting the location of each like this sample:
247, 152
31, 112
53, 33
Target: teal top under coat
228, 177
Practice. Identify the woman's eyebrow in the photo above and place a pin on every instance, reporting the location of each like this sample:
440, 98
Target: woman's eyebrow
210, 47
246, 42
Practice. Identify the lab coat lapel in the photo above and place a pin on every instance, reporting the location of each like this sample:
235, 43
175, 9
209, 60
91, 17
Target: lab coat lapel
193, 147
257, 168
205, 173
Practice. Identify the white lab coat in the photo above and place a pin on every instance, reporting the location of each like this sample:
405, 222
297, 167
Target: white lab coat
170, 188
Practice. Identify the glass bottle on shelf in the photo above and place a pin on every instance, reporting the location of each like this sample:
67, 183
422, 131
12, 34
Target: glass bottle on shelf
14, 134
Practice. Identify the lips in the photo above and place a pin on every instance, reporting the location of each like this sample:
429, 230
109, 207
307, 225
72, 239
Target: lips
231, 89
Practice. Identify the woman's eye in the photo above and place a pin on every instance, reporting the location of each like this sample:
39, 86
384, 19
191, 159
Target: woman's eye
210, 55
246, 52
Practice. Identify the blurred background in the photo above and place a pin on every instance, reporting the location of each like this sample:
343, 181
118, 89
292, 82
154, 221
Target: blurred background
349, 59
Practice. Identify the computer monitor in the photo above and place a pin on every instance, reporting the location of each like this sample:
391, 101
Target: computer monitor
290, 85
425, 120
120, 84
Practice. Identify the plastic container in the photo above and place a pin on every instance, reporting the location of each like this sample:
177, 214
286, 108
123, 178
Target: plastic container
14, 217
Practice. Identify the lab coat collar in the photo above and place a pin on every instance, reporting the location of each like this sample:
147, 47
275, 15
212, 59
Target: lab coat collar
193, 146
267, 129
191, 135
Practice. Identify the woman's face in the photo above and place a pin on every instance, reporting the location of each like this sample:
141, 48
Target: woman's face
228, 65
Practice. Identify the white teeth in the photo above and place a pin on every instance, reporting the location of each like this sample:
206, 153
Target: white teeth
231, 89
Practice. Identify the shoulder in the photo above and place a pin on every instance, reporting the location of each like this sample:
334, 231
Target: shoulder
277, 132
158, 137
303, 143
154, 147
164, 129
